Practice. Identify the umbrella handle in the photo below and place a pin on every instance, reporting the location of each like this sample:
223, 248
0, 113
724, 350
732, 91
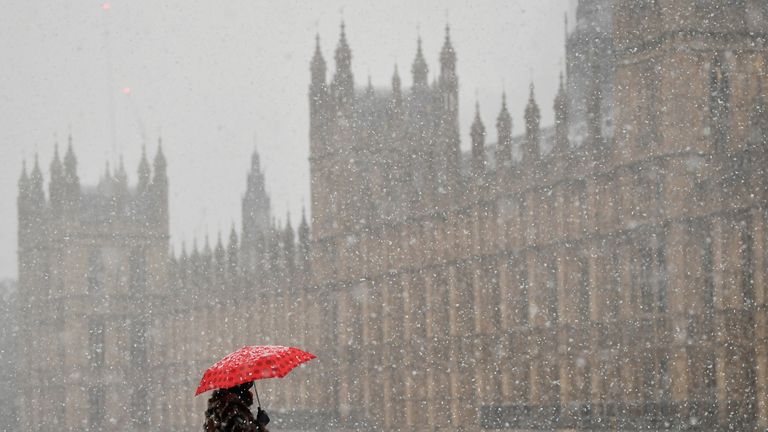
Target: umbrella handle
257, 396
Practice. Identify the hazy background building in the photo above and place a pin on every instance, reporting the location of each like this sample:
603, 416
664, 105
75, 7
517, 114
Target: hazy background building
9, 327
536, 284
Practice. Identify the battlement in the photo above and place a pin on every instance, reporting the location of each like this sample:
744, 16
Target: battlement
68, 206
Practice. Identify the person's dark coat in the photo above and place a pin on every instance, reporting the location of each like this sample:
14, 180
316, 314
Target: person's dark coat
228, 411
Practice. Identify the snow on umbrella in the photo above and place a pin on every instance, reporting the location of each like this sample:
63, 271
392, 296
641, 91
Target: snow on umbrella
251, 363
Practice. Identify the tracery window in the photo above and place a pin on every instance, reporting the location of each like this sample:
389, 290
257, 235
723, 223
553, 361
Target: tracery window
95, 273
719, 101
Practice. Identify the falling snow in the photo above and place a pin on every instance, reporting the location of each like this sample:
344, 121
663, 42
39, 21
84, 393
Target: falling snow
606, 270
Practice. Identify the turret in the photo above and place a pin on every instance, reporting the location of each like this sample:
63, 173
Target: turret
396, 104
206, 263
504, 131
288, 245
31, 218
304, 245
22, 200
195, 268
318, 67
590, 57
318, 101
159, 187
448, 84
143, 173
561, 119
71, 182
219, 261
532, 149
419, 69
36, 194
232, 255
343, 84
477, 134
256, 204
121, 181
449, 81
56, 185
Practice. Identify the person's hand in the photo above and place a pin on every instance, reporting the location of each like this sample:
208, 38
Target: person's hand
261, 417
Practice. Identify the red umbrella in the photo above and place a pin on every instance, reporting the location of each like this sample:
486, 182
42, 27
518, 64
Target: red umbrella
251, 363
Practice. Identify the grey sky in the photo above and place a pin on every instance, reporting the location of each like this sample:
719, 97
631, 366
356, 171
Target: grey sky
210, 75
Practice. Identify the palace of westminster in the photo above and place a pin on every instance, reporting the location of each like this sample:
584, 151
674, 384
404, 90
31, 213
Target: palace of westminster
609, 272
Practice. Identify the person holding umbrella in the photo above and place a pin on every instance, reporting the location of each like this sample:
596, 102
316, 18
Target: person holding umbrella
229, 411
232, 377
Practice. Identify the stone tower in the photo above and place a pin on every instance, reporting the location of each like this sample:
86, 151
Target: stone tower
590, 67
256, 217
688, 91
92, 274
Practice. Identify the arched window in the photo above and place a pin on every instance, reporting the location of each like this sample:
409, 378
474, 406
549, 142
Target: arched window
138, 270
95, 273
719, 101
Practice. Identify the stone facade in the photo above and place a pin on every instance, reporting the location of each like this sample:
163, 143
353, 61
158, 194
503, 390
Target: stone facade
92, 278
607, 279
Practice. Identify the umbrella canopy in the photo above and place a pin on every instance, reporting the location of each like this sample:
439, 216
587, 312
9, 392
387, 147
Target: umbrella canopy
251, 363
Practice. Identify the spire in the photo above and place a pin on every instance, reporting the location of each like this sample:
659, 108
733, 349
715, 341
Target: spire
159, 187
318, 99
70, 165
304, 243
232, 248
369, 88
56, 167
478, 145
504, 131
303, 226
23, 179
396, 83
219, 258
207, 245
195, 250
288, 225
23, 197
447, 54
144, 171
448, 62
395, 109
36, 194
397, 94
419, 70
219, 241
160, 163
56, 185
256, 206
288, 243
343, 80
532, 119
71, 179
318, 67
121, 176
561, 118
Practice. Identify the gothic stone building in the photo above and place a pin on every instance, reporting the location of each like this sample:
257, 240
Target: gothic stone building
604, 273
